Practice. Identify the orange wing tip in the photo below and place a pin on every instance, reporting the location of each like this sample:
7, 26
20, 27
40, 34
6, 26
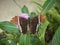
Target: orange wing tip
14, 20
42, 18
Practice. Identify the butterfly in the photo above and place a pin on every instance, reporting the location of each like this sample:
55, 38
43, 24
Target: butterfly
28, 25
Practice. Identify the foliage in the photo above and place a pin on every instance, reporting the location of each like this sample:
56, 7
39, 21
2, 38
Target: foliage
56, 38
25, 10
42, 31
9, 27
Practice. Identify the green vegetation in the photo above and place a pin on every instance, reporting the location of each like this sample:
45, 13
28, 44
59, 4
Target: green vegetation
48, 32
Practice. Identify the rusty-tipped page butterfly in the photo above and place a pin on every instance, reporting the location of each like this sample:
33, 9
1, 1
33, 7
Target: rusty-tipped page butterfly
29, 24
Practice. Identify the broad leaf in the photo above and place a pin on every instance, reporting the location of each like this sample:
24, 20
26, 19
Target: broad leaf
5, 41
35, 40
42, 31
24, 39
48, 5
56, 38
57, 5
27, 39
12, 42
55, 15
25, 10
9, 27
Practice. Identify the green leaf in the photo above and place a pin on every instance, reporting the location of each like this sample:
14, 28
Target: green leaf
35, 40
25, 10
57, 5
48, 5
32, 14
27, 39
4, 41
56, 38
24, 39
42, 30
12, 42
55, 15
9, 27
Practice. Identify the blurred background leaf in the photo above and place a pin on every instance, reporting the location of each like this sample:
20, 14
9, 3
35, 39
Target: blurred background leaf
55, 15
35, 40
42, 31
25, 9
9, 27
56, 38
24, 39
47, 5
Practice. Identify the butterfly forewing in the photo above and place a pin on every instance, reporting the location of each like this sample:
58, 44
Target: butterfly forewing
33, 24
23, 24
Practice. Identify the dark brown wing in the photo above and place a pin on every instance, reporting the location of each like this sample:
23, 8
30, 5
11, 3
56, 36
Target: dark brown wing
33, 24
23, 24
